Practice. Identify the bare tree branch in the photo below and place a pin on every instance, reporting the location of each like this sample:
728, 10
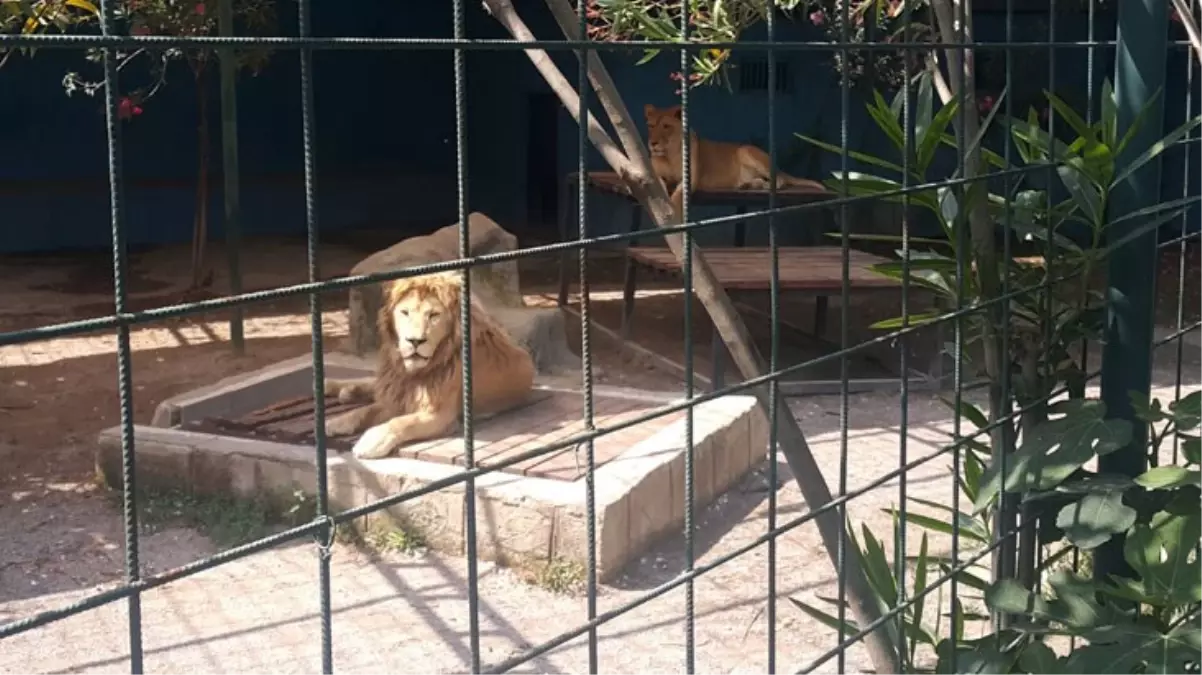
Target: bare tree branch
504, 13
1191, 27
962, 80
635, 168
946, 21
941, 88
615, 107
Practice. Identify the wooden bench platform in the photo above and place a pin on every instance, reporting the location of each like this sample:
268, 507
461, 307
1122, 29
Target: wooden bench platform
813, 271
609, 183
808, 268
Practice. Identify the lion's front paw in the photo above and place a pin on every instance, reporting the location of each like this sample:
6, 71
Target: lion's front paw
341, 425
375, 443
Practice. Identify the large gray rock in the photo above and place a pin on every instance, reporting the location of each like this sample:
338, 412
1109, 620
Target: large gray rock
540, 331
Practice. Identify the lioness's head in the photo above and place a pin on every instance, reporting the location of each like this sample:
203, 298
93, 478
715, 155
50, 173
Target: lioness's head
663, 130
420, 316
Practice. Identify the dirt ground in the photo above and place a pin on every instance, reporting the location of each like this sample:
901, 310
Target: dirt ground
1177, 262
56, 395
61, 534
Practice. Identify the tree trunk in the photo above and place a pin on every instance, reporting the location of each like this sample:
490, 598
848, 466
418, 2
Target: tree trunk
200, 225
634, 166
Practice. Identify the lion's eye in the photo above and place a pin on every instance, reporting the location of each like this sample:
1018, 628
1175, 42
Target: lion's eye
404, 312
435, 315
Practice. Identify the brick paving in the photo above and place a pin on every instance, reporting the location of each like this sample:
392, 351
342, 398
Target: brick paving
410, 614
401, 614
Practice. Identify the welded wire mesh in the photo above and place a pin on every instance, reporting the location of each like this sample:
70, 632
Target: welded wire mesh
1005, 546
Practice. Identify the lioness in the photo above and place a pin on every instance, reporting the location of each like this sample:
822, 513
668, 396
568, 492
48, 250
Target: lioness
416, 392
713, 165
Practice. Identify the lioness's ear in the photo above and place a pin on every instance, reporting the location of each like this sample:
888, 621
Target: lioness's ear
649, 110
677, 111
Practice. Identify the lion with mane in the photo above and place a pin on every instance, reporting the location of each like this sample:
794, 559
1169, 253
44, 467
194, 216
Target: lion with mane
417, 391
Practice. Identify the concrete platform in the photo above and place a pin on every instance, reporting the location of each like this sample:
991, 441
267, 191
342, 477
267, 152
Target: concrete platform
534, 511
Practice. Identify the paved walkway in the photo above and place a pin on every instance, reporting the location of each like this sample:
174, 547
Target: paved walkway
260, 615
410, 614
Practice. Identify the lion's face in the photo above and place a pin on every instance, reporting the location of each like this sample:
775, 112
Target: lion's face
663, 130
421, 323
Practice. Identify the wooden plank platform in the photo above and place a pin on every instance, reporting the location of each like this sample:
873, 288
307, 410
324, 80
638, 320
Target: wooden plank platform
548, 416
802, 268
610, 182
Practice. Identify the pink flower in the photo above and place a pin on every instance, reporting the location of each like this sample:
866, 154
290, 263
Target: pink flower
985, 103
818, 17
200, 8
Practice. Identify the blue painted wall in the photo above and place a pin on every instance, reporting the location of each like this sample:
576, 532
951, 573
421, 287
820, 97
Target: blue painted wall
384, 148
385, 133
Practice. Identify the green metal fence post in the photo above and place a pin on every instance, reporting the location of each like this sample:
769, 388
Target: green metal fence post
229, 170
1139, 69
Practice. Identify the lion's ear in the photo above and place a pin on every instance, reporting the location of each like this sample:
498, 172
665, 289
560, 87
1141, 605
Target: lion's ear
384, 325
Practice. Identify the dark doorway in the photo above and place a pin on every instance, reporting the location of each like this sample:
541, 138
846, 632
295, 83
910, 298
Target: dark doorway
542, 180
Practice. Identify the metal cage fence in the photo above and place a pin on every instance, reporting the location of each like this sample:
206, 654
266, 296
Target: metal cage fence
1131, 274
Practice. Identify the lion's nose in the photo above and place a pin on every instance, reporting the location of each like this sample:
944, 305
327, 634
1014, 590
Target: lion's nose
416, 342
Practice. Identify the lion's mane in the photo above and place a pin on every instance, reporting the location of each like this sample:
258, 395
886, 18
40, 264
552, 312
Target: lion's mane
502, 370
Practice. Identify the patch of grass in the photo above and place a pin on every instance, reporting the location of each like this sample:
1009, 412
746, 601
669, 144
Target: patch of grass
396, 540
564, 577
381, 538
301, 508
349, 534
228, 521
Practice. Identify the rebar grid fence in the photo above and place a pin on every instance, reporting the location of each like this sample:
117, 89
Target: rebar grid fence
1109, 174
